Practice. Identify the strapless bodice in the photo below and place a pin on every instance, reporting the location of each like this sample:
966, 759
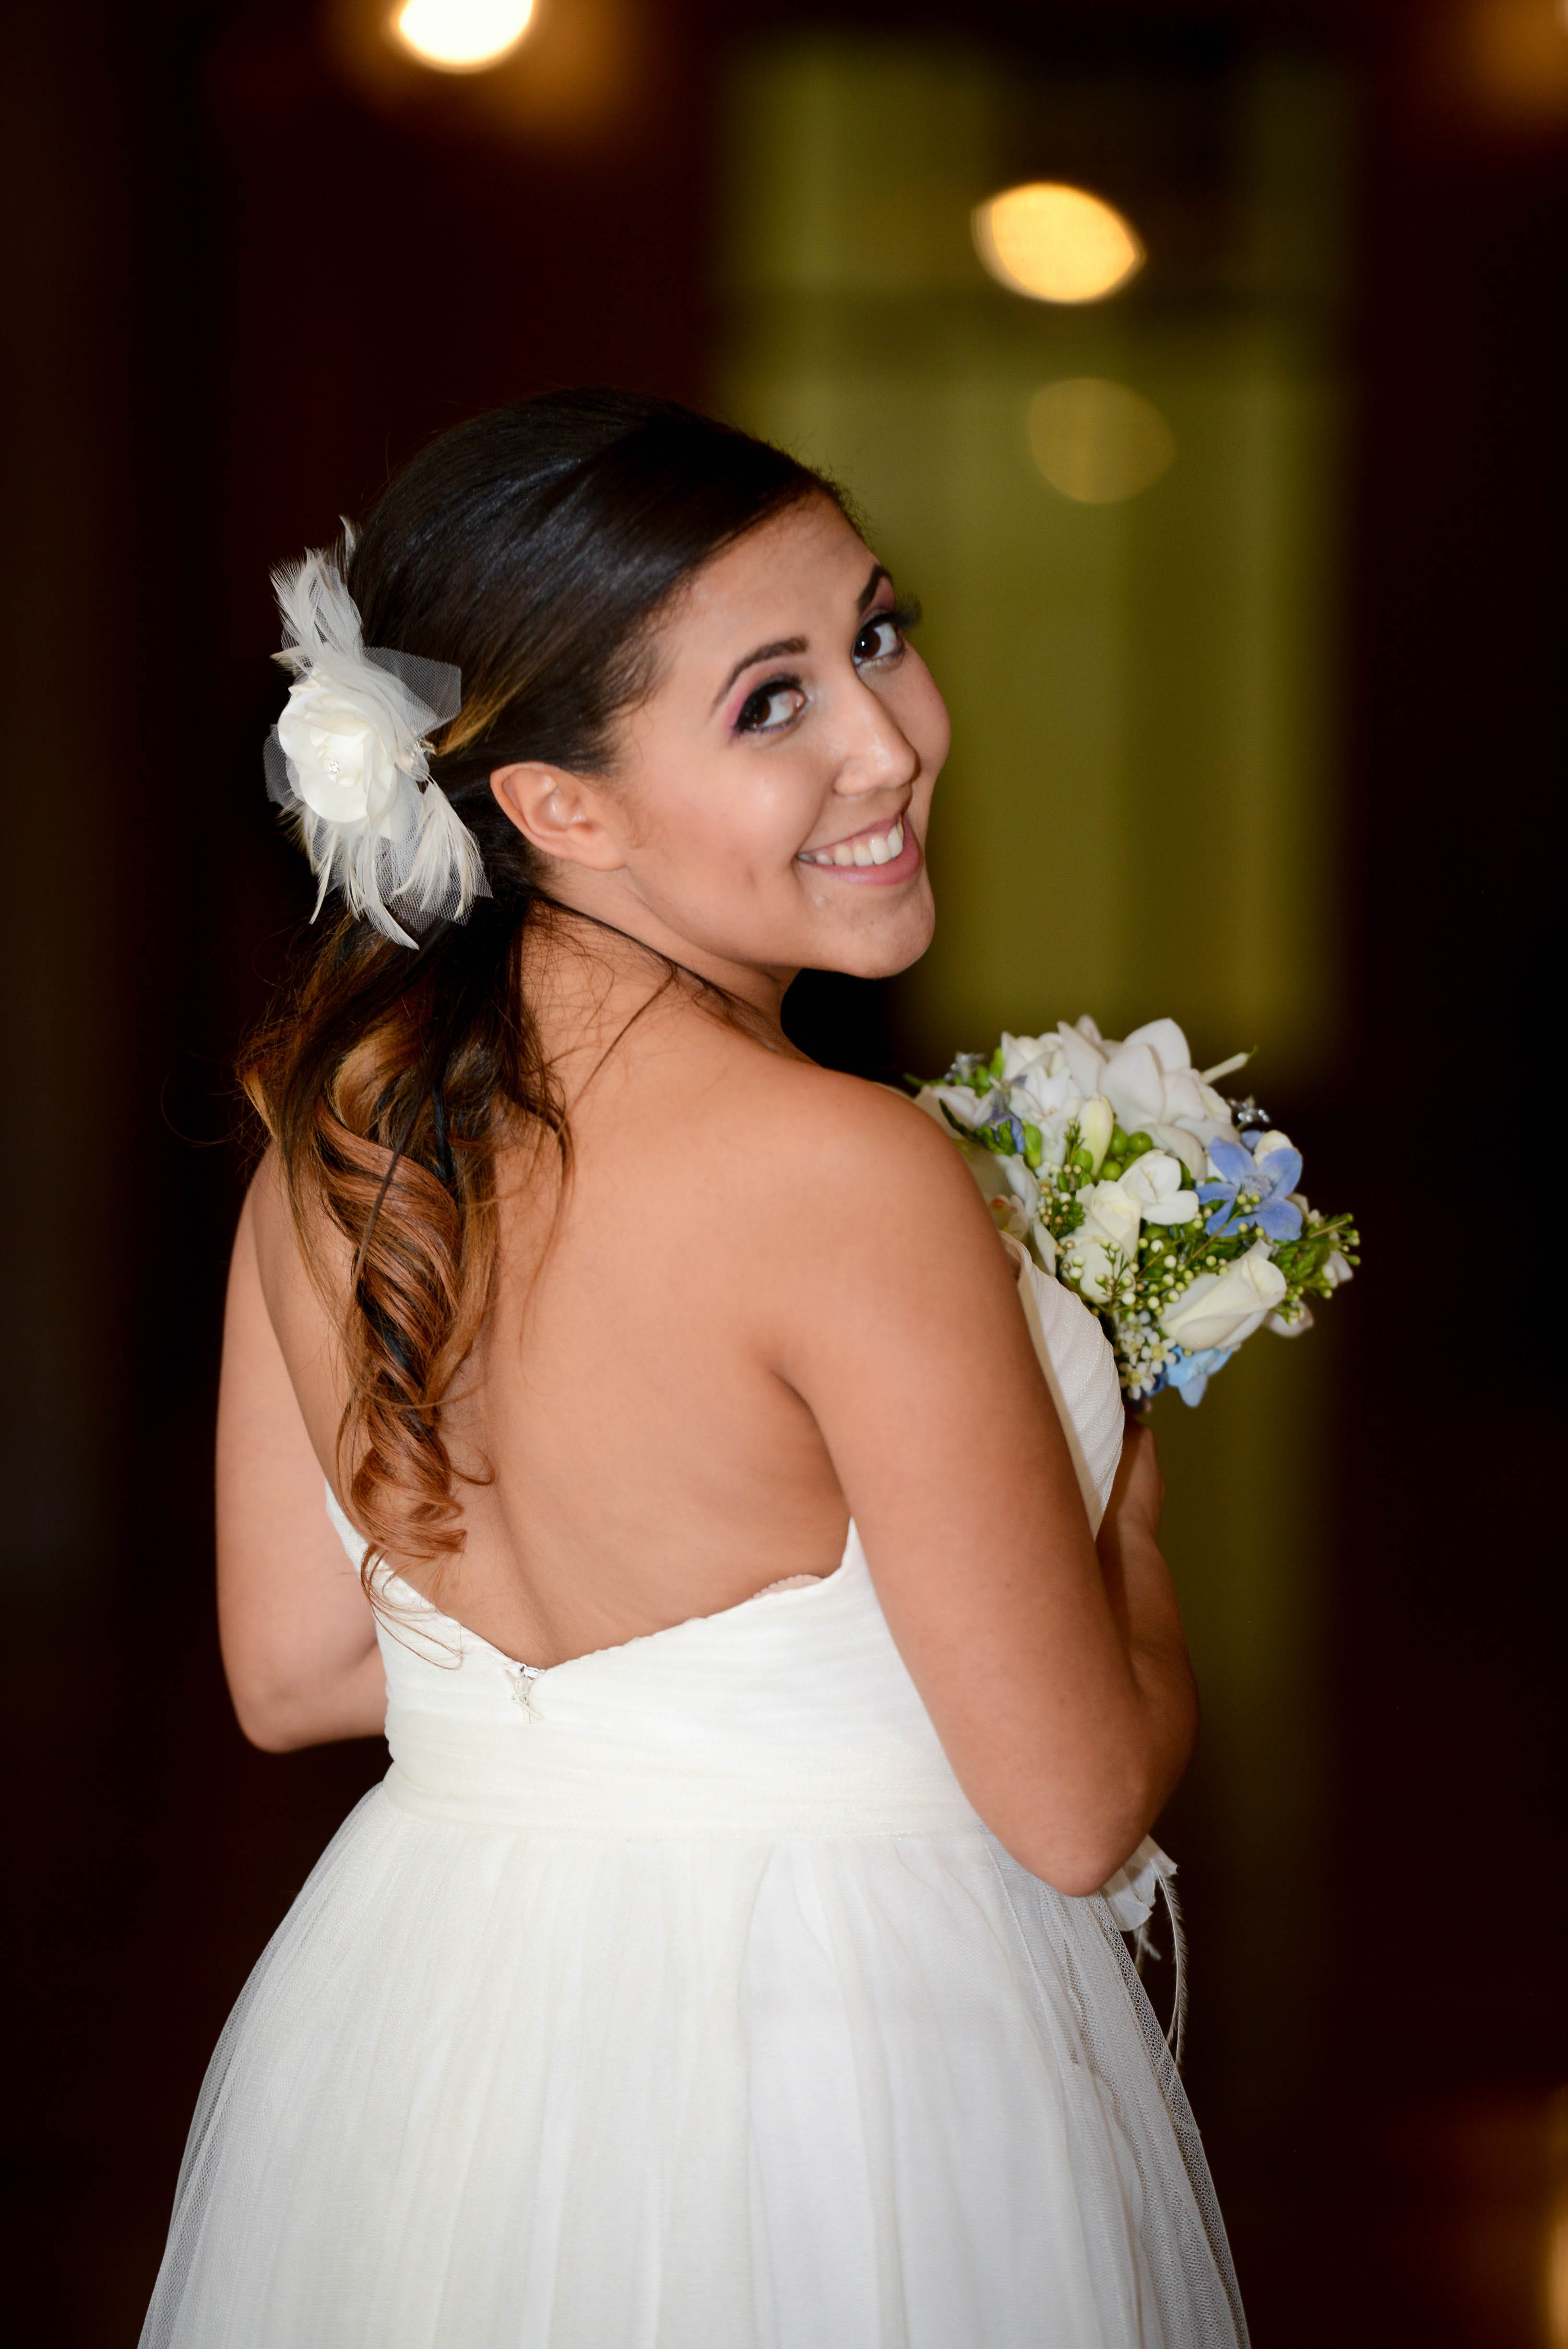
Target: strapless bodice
792, 1713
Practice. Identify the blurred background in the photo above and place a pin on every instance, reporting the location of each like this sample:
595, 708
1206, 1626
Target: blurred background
1233, 481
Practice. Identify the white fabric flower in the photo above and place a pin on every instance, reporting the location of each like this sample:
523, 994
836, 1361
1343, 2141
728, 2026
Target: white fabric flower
344, 766
348, 760
1223, 1309
1154, 1181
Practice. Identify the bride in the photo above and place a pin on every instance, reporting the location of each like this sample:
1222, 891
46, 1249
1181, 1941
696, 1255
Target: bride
648, 1429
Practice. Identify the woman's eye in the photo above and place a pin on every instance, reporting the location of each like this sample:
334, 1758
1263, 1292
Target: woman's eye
879, 639
770, 707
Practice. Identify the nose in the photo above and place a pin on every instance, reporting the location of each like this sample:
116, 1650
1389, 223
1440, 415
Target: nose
875, 754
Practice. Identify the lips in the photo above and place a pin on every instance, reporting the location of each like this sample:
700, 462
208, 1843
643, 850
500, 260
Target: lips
864, 848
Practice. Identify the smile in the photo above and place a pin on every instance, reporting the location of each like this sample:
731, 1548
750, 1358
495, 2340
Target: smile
863, 848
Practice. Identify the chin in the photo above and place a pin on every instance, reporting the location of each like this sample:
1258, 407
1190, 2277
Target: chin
882, 950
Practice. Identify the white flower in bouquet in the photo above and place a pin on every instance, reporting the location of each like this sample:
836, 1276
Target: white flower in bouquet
1150, 1083
965, 1108
1096, 1123
1105, 1242
1172, 1212
1110, 1216
1154, 1182
1223, 1309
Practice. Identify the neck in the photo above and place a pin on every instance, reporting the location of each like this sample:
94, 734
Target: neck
586, 977
627, 925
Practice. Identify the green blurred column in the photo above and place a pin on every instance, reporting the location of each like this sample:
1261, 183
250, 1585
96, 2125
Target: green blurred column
1139, 816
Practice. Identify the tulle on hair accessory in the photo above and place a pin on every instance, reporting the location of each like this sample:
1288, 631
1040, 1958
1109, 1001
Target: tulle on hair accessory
348, 761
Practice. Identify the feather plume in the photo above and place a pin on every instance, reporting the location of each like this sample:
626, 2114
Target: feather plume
384, 834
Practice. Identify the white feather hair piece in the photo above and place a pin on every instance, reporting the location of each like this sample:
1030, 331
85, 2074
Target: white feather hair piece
348, 760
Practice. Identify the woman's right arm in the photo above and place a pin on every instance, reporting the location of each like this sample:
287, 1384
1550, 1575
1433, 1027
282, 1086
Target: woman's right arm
1056, 1675
297, 1633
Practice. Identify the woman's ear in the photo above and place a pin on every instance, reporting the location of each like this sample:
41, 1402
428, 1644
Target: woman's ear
557, 813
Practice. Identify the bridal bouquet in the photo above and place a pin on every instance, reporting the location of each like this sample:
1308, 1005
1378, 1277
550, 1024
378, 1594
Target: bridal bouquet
1174, 1213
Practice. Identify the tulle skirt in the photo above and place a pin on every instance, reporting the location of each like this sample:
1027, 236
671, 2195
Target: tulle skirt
489, 2090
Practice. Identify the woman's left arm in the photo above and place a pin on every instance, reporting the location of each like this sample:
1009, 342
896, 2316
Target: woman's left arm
297, 1633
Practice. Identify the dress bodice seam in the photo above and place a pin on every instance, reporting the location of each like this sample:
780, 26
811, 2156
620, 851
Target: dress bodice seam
429, 1621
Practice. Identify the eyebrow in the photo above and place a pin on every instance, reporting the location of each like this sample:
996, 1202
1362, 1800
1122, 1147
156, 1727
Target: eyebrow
798, 644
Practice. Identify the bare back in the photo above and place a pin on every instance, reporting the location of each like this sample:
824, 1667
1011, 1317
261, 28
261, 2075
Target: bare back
646, 1460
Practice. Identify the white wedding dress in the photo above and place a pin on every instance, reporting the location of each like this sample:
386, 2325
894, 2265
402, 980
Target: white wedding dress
676, 1998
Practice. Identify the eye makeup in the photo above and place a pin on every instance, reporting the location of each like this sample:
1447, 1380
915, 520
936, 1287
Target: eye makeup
775, 704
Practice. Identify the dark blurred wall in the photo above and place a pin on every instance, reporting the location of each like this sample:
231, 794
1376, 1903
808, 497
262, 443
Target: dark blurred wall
241, 284
243, 275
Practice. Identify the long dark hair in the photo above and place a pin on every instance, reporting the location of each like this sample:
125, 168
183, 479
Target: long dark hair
534, 549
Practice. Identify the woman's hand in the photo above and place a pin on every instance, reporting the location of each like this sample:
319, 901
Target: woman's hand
1133, 1512
1142, 1599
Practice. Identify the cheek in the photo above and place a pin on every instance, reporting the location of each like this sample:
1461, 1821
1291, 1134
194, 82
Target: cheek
770, 818
742, 832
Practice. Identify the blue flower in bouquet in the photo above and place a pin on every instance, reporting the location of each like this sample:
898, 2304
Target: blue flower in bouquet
1189, 1375
1250, 1190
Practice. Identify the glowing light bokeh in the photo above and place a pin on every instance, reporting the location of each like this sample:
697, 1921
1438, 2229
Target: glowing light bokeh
1056, 244
461, 35
1097, 441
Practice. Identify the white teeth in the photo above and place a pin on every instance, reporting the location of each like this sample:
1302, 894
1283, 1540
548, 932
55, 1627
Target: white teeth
881, 850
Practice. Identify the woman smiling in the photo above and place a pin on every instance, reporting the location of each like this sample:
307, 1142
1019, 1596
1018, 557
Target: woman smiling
640, 1425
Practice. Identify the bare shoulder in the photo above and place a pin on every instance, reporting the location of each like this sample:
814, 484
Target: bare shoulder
265, 1210
819, 1118
823, 1159
267, 1228
268, 1216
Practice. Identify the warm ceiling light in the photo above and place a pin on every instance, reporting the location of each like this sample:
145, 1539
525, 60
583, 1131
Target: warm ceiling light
1056, 244
461, 35
1098, 442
